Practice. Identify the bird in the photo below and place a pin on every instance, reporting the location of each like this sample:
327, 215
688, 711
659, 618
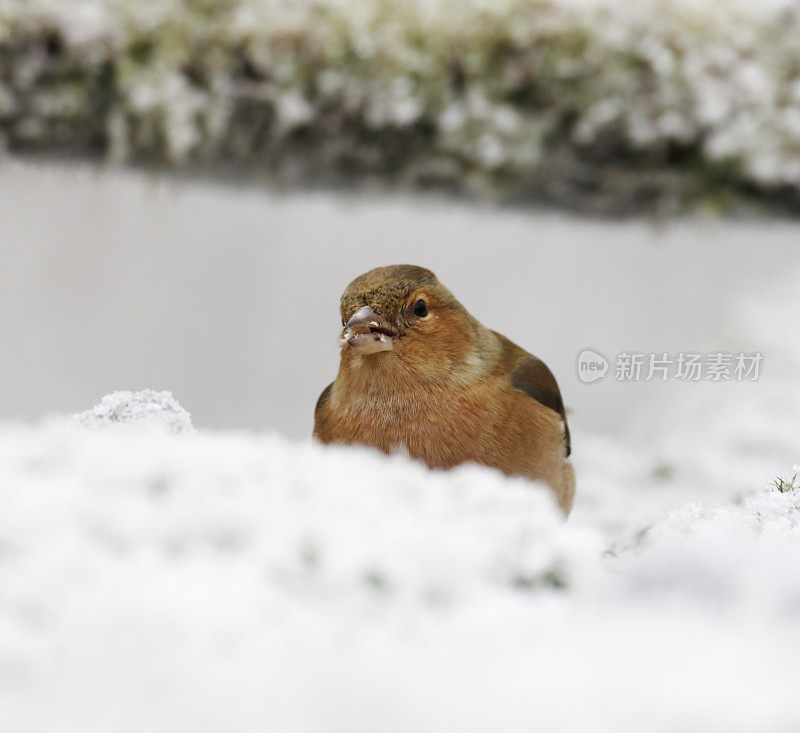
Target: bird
418, 374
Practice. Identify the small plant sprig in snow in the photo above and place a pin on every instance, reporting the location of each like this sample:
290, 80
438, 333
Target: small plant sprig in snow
783, 485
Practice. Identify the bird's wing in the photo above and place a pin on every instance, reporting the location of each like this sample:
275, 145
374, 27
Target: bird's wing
532, 376
323, 400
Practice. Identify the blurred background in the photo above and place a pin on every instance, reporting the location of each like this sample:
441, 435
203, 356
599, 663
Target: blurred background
228, 295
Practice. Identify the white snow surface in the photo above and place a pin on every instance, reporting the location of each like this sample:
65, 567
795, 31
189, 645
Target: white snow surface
179, 581
148, 407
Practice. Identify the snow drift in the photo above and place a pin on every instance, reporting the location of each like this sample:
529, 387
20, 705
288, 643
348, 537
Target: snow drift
216, 581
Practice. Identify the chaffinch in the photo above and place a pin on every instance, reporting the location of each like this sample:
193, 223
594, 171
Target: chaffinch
419, 373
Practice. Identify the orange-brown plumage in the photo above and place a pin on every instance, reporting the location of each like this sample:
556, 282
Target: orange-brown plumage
440, 385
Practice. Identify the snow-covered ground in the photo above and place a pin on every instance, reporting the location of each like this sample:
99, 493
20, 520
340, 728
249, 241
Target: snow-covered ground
163, 577
156, 578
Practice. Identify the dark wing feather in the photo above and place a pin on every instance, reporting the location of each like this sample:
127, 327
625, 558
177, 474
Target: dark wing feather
323, 400
532, 376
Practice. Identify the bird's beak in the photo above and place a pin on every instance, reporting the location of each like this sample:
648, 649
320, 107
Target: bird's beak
368, 332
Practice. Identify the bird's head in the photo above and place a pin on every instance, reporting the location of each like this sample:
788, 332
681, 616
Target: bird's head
403, 311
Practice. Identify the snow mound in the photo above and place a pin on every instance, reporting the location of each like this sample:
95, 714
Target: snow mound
340, 524
145, 408
215, 581
743, 552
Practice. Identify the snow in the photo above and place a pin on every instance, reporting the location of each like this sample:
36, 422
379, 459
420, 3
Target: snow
172, 580
147, 407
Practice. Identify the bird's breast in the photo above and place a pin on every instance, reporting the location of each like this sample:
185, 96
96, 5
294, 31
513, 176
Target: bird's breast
479, 423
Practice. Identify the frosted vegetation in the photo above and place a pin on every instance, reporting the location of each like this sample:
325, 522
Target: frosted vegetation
164, 579
601, 103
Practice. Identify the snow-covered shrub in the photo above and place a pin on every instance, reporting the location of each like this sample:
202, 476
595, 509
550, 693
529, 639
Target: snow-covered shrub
611, 103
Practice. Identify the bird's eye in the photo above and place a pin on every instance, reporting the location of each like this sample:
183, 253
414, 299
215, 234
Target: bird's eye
420, 309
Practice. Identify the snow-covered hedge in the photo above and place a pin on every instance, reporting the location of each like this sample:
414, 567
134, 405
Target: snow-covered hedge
162, 580
602, 102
